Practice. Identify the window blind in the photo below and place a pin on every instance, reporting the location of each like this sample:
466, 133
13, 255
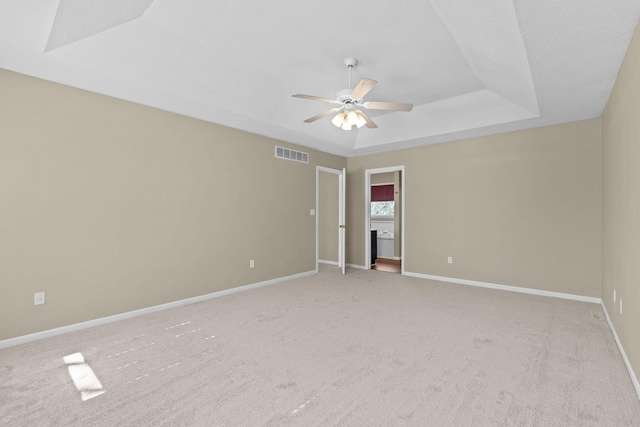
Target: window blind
382, 193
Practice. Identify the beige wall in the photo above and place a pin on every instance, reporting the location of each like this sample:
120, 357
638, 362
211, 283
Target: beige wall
109, 206
382, 178
519, 209
328, 217
621, 204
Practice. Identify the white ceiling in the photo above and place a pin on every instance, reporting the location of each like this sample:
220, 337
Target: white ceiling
470, 68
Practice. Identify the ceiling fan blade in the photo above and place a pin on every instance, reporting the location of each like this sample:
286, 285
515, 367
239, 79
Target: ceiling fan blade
315, 98
321, 115
369, 123
363, 88
389, 106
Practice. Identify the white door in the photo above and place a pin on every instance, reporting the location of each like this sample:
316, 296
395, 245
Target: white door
342, 219
342, 177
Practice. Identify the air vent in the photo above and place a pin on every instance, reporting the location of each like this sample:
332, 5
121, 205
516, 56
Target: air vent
288, 154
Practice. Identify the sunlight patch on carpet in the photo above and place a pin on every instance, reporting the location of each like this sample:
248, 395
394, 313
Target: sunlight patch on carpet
83, 377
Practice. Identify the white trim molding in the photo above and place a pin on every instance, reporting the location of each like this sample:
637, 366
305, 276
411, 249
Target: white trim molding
109, 319
506, 287
356, 266
324, 261
632, 374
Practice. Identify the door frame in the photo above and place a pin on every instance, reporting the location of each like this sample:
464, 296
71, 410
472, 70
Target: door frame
367, 213
341, 213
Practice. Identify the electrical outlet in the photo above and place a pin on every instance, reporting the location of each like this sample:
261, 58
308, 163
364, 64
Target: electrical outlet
450, 260
38, 298
614, 295
252, 264
620, 305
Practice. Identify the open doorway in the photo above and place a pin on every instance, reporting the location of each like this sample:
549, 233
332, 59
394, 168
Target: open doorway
385, 219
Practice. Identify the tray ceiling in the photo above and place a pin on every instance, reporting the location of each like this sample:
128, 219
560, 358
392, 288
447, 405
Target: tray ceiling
470, 68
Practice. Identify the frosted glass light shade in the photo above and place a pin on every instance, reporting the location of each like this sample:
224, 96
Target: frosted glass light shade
347, 119
338, 119
352, 117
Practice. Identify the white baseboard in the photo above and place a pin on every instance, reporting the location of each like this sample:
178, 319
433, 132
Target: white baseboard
395, 258
506, 287
531, 291
103, 320
324, 261
632, 374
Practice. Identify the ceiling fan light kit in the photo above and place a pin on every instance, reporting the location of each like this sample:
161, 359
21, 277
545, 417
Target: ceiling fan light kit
347, 115
348, 118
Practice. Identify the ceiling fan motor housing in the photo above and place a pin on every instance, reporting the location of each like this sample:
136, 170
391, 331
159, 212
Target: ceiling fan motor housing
344, 97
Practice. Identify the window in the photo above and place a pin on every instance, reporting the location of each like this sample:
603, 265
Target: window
382, 201
381, 209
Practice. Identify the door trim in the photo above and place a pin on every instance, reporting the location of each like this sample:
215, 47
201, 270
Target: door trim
341, 208
367, 210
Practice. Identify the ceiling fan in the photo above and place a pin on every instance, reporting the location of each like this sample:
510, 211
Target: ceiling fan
350, 99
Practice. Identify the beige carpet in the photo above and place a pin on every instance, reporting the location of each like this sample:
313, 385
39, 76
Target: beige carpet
368, 349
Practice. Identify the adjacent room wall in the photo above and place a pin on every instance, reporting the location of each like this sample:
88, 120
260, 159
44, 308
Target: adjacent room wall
621, 204
110, 206
382, 178
519, 209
